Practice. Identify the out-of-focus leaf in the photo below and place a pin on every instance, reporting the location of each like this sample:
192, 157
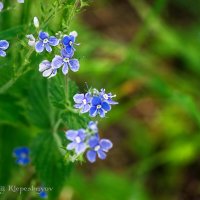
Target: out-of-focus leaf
10, 112
57, 87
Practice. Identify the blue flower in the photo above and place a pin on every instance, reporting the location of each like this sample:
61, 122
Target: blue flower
22, 155
93, 126
1, 6
31, 40
3, 46
107, 97
43, 195
77, 138
69, 41
66, 61
46, 69
99, 107
82, 102
20, 1
98, 147
45, 42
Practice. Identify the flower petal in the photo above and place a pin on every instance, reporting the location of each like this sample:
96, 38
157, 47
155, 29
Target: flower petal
4, 44
44, 65
65, 54
2, 53
72, 38
69, 49
47, 72
78, 98
48, 48
78, 105
85, 108
81, 134
65, 69
43, 35
93, 126
21, 150
101, 113
66, 40
106, 106
96, 101
74, 65
93, 111
80, 148
1, 6
94, 141
23, 161
105, 144
57, 62
54, 72
101, 154
88, 97
71, 134
74, 34
71, 146
39, 46
53, 41
91, 156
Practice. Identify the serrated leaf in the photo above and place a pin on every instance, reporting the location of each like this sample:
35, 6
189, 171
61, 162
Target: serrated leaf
75, 120
49, 162
72, 89
39, 110
61, 91
57, 87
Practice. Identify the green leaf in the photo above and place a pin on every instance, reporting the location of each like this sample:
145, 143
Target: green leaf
61, 91
75, 120
57, 87
49, 162
10, 138
10, 111
72, 89
39, 110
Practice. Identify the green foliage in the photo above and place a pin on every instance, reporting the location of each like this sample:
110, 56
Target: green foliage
155, 129
49, 162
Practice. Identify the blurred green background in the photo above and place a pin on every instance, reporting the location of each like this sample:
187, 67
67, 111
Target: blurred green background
148, 53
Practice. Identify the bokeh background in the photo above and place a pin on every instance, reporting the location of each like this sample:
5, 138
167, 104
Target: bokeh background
147, 52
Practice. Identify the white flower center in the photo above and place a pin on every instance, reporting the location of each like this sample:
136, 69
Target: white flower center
98, 106
84, 101
66, 60
45, 41
97, 148
23, 155
105, 96
70, 43
78, 139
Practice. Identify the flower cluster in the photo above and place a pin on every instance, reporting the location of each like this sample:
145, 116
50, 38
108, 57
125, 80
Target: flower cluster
88, 139
22, 155
65, 51
95, 102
